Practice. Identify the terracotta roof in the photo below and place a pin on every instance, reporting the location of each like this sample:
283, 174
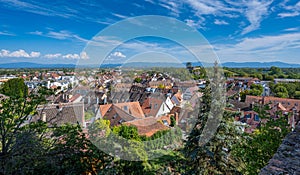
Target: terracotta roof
287, 103
121, 112
104, 109
151, 106
147, 126
132, 108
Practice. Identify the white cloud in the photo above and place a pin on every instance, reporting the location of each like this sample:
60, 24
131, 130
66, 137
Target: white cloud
172, 6
197, 24
288, 14
60, 35
19, 53
119, 15
4, 53
37, 8
84, 55
220, 22
291, 10
291, 29
36, 33
57, 55
63, 34
117, 55
71, 56
35, 54
7, 33
263, 47
255, 12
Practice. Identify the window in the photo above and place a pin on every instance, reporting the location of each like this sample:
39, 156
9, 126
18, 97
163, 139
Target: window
115, 116
248, 115
155, 106
256, 117
125, 108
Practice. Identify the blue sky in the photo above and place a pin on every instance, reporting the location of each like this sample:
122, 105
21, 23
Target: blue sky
58, 31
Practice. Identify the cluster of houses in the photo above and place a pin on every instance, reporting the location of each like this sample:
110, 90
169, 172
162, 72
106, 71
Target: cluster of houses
279, 107
147, 101
149, 104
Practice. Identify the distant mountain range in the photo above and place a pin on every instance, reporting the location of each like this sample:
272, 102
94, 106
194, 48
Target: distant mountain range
147, 65
260, 64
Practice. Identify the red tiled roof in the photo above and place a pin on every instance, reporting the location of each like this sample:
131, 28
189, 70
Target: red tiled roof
104, 109
147, 126
287, 103
121, 112
151, 106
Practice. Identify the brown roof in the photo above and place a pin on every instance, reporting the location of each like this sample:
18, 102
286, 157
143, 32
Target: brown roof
132, 108
61, 113
74, 97
147, 126
287, 103
151, 106
121, 112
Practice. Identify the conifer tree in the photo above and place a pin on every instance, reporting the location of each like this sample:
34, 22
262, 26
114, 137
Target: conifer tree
207, 149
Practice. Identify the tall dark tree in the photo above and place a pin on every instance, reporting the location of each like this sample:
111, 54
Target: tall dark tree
208, 151
189, 66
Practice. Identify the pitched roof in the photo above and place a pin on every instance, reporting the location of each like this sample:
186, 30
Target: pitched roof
147, 126
104, 109
61, 113
151, 106
287, 103
132, 108
121, 112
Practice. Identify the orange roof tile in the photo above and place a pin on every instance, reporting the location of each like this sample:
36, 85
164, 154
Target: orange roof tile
147, 126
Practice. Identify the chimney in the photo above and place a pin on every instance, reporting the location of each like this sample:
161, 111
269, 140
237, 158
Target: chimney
44, 117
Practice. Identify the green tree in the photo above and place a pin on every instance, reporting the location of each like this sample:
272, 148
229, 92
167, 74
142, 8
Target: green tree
256, 90
15, 87
281, 91
28, 146
208, 152
188, 65
275, 71
138, 80
173, 121
127, 132
16, 136
260, 146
